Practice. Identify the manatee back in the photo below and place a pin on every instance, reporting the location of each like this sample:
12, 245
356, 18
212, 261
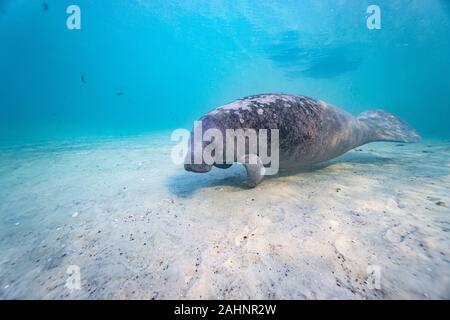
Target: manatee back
296, 117
309, 130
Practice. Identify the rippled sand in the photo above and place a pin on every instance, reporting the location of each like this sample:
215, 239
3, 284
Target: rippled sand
140, 227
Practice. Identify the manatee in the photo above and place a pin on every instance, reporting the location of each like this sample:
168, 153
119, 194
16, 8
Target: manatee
310, 131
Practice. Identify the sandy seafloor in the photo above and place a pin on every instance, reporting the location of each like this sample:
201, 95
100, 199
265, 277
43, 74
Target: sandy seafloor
141, 228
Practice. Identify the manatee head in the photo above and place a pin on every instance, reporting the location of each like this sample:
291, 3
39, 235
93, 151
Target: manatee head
198, 168
195, 161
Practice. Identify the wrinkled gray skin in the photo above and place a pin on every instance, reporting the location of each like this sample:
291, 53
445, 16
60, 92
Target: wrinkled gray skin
310, 131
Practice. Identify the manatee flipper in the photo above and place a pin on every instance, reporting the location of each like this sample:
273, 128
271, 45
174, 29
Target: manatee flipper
384, 126
222, 166
255, 169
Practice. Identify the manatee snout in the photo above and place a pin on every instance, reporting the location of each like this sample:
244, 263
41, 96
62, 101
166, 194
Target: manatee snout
197, 168
191, 166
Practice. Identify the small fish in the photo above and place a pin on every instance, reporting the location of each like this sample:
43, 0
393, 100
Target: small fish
45, 6
83, 79
119, 93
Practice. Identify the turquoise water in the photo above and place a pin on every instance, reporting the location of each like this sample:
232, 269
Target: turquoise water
87, 179
139, 66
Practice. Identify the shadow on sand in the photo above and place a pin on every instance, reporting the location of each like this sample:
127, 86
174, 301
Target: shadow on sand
185, 184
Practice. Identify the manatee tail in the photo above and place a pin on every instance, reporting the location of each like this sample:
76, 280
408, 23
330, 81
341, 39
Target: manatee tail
385, 126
